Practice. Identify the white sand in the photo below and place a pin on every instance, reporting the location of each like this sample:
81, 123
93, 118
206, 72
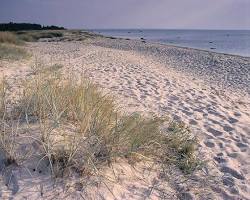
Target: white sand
220, 117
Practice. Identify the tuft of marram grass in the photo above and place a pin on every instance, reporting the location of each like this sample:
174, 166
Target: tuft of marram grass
10, 38
9, 48
82, 129
8, 132
181, 147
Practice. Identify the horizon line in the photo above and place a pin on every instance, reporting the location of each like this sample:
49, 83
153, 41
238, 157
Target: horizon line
201, 29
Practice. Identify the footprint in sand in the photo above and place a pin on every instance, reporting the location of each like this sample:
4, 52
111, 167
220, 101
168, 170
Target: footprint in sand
232, 172
193, 122
237, 114
228, 181
215, 132
241, 145
232, 120
219, 159
227, 128
233, 155
209, 143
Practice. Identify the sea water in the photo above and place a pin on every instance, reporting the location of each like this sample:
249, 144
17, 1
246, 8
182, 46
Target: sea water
235, 42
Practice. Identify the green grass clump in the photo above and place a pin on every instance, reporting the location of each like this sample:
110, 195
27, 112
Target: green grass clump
12, 52
182, 147
82, 128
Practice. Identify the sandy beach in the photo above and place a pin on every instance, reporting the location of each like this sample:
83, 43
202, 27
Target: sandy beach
208, 91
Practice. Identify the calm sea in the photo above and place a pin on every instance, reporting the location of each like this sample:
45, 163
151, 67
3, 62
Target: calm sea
224, 41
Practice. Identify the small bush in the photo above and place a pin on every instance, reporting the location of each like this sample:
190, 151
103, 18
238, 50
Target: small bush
12, 52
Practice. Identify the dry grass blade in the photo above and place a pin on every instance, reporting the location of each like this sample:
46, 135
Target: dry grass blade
2, 97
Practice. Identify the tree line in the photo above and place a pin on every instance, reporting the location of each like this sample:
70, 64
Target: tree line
26, 26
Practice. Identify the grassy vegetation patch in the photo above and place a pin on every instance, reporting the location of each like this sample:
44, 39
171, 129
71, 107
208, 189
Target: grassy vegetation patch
2, 96
33, 36
10, 47
37, 69
10, 38
12, 52
80, 129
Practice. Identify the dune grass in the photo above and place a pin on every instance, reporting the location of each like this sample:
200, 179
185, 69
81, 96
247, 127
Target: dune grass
82, 129
7, 132
10, 48
20, 37
9, 38
2, 97
34, 36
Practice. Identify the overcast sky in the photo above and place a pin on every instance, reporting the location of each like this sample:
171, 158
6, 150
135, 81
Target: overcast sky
169, 14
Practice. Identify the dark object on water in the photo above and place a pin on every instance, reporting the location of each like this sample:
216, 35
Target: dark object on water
127, 39
143, 41
210, 42
140, 31
142, 38
212, 48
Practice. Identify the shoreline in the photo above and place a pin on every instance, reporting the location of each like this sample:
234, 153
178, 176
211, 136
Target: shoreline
169, 44
224, 64
193, 48
177, 46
